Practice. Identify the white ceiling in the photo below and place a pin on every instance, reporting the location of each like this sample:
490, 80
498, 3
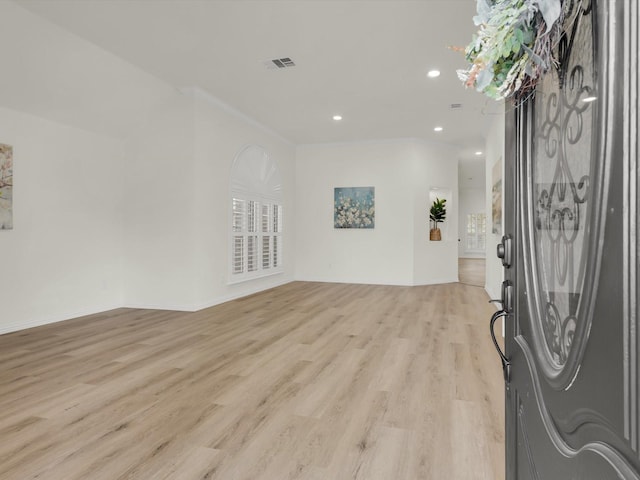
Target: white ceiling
366, 60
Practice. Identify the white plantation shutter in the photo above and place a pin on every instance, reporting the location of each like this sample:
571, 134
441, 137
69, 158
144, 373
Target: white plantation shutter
238, 254
266, 252
237, 215
252, 253
252, 216
256, 216
277, 218
265, 218
276, 250
266, 244
276, 239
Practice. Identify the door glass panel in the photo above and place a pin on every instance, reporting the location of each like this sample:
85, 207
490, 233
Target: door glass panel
560, 192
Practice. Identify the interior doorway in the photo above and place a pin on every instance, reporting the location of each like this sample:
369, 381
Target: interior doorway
472, 222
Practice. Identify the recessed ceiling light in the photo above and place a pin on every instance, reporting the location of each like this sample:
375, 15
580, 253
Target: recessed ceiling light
337, 117
438, 129
478, 153
589, 99
433, 73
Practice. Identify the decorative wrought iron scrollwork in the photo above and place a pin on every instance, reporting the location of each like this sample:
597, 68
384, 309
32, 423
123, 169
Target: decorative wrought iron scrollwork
562, 201
559, 331
560, 205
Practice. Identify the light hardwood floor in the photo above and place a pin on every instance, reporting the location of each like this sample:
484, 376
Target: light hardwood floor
306, 381
472, 271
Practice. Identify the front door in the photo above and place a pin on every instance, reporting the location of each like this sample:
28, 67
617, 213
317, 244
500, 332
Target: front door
570, 253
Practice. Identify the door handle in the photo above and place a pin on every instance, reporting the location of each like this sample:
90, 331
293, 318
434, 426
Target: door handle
506, 297
506, 364
504, 251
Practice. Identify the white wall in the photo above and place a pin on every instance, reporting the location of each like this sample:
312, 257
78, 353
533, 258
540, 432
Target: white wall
472, 200
63, 257
160, 209
494, 153
397, 251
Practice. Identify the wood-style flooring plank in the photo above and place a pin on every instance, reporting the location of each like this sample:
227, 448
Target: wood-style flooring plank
472, 271
306, 381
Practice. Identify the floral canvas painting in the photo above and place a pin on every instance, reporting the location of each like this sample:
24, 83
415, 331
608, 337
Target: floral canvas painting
6, 187
354, 207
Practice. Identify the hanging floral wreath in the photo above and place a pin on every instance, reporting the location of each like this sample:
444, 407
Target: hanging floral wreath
513, 47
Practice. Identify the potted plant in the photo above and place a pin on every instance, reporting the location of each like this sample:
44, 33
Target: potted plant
437, 214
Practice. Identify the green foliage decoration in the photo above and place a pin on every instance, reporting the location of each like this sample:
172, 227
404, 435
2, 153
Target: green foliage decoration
438, 211
513, 46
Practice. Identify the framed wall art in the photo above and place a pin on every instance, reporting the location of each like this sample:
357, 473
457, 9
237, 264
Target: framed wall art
354, 207
6, 187
496, 198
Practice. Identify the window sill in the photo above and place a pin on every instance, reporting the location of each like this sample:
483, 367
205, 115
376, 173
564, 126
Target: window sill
247, 278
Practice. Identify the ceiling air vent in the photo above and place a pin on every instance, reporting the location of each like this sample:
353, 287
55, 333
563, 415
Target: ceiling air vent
285, 62
455, 106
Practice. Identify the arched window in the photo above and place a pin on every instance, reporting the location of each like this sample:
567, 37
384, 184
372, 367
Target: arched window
256, 215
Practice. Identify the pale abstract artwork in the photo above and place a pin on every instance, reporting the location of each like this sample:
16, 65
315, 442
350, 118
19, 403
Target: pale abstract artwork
354, 207
6, 187
496, 198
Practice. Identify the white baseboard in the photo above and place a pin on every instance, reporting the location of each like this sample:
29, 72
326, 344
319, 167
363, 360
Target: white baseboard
194, 307
59, 317
234, 296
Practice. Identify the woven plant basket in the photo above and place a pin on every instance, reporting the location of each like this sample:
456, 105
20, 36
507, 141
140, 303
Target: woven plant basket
434, 234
